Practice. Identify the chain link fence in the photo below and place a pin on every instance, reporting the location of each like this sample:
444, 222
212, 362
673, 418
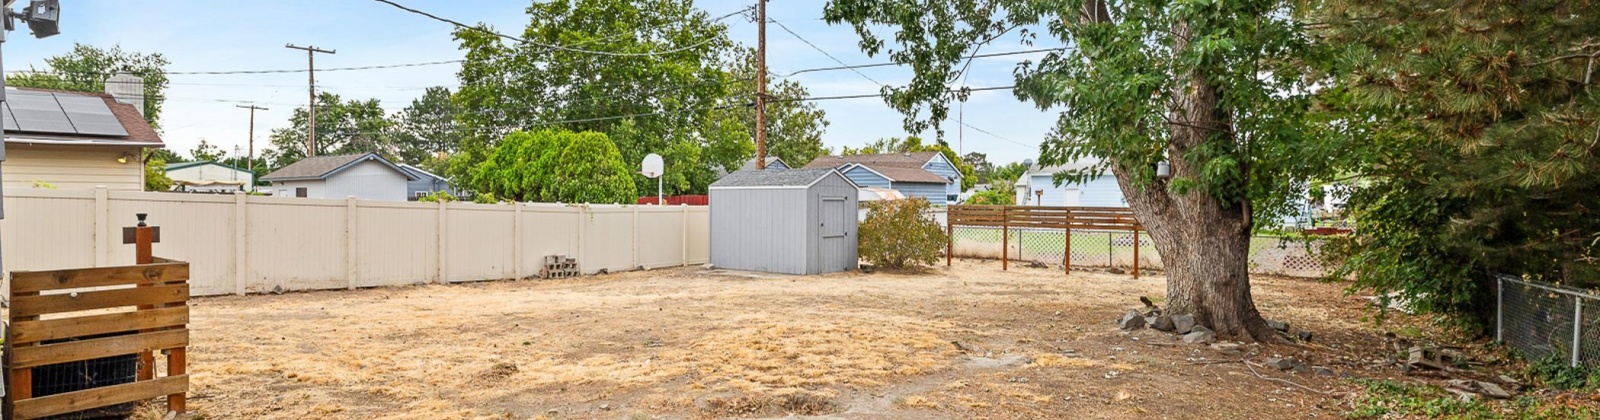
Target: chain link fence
1544, 320
1268, 254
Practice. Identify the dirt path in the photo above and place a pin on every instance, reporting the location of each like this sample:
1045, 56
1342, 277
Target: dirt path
966, 342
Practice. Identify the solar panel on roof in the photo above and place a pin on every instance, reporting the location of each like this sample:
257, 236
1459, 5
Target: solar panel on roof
91, 116
39, 113
5, 116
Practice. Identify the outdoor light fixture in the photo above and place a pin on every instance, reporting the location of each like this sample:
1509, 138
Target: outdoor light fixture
127, 157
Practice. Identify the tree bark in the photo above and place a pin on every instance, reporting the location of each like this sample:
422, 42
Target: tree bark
1204, 241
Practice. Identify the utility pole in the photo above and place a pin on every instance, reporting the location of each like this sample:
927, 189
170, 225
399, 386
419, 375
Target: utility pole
311, 108
761, 85
251, 159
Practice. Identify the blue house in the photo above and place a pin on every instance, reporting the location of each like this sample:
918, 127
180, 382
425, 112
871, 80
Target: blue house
923, 174
423, 183
1036, 187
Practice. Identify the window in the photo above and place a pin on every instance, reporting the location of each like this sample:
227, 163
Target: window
419, 194
300, 191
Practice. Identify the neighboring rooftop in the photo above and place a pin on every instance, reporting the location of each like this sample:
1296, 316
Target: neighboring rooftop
773, 178
898, 167
750, 165
324, 166
180, 165
907, 160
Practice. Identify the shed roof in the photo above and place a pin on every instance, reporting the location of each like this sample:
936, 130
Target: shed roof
324, 166
775, 178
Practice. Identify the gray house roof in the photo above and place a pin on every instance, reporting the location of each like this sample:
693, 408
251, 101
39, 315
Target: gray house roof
419, 173
322, 167
776, 178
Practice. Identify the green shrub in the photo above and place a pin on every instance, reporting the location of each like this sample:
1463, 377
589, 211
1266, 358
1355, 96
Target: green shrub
437, 196
897, 234
992, 198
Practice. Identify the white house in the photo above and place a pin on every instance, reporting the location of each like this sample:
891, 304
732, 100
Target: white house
208, 176
1037, 187
366, 176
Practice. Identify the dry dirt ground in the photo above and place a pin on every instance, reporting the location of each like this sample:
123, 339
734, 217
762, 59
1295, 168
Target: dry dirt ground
970, 341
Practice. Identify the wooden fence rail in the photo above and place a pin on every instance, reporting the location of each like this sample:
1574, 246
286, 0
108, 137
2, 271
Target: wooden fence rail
1041, 217
75, 315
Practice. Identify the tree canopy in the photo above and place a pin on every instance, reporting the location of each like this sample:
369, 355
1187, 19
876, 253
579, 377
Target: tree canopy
1470, 133
1213, 88
343, 127
557, 166
86, 68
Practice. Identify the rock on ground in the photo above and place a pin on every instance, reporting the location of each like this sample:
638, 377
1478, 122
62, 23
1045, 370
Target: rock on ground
1281, 326
1163, 323
1182, 324
1131, 321
1283, 363
1199, 337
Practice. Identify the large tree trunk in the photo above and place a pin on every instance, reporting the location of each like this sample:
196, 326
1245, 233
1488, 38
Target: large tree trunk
1204, 241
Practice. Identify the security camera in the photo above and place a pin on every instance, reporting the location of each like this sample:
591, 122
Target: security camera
43, 17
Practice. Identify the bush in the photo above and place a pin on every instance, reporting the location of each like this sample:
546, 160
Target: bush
992, 198
896, 234
437, 196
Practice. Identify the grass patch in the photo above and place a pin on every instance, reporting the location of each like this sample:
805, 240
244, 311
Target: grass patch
1390, 399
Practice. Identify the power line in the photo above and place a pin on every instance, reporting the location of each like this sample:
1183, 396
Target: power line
869, 78
824, 52
222, 72
889, 64
557, 46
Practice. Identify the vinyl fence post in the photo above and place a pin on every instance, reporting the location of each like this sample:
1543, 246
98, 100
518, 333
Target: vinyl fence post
241, 241
634, 249
350, 250
443, 235
583, 238
683, 219
1577, 328
516, 240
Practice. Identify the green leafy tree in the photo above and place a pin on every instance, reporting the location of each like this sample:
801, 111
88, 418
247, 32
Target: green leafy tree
993, 198
794, 126
207, 152
1214, 88
427, 128
155, 173
1472, 129
982, 170
661, 61
1006, 175
86, 68
521, 166
343, 127
897, 234
590, 170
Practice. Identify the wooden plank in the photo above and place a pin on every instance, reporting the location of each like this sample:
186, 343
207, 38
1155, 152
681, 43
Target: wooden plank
100, 397
79, 326
177, 364
99, 299
72, 351
35, 281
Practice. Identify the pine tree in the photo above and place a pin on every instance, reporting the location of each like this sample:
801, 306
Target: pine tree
1473, 126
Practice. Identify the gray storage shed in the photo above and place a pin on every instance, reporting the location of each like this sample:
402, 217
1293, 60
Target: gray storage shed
795, 221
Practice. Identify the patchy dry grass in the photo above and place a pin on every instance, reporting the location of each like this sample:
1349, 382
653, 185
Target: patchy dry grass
970, 341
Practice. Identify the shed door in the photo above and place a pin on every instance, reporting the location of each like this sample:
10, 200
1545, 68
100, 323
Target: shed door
833, 251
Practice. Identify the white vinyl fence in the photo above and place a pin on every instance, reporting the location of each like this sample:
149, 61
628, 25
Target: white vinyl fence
244, 244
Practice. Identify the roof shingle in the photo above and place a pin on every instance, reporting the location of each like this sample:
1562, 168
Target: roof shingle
898, 167
773, 178
323, 166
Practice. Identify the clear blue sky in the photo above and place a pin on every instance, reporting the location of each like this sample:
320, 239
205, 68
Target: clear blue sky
204, 35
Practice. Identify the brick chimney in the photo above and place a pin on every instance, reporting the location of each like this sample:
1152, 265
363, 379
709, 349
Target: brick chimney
127, 88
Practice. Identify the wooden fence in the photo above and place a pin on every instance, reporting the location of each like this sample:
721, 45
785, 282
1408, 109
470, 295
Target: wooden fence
1040, 217
66, 316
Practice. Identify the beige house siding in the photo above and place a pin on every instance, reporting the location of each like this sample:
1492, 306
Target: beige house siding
72, 167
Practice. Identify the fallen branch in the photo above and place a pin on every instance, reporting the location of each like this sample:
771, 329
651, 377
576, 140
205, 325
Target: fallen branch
1252, 368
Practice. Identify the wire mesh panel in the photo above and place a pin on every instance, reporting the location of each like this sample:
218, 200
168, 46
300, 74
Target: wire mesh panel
1538, 320
1099, 248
